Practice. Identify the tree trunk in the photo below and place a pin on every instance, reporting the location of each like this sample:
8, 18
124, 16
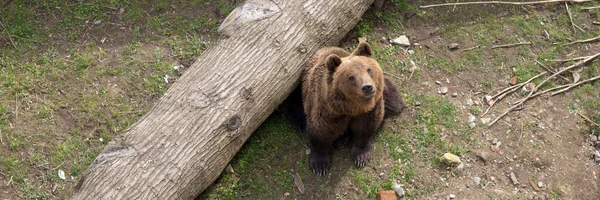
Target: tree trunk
184, 142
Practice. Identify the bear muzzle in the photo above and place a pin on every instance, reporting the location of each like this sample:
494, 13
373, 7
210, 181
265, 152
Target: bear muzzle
368, 90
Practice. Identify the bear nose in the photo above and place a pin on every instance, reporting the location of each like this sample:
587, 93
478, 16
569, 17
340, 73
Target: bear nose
367, 88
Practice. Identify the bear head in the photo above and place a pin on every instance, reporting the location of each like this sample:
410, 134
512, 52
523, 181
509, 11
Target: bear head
357, 77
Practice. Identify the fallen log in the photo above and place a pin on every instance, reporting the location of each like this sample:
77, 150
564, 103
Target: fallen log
186, 140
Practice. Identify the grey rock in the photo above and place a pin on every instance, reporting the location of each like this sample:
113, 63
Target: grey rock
470, 102
438, 82
452, 196
472, 125
597, 156
476, 180
455, 94
453, 46
514, 179
540, 184
418, 103
97, 22
495, 141
594, 138
402, 41
443, 90
450, 159
472, 118
399, 188
483, 155
485, 120
411, 52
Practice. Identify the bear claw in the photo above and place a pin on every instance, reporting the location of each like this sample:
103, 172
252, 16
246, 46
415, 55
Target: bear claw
362, 158
319, 165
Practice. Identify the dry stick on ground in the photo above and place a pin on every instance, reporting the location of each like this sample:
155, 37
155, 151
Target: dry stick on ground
504, 2
584, 41
510, 45
550, 70
390, 74
589, 120
595, 22
7, 33
568, 59
470, 48
575, 85
570, 17
589, 58
530, 95
589, 8
509, 90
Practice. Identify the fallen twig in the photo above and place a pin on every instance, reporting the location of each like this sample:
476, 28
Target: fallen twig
589, 120
550, 70
584, 41
7, 33
390, 74
509, 90
504, 2
589, 8
570, 17
530, 95
470, 48
595, 22
575, 85
510, 45
568, 59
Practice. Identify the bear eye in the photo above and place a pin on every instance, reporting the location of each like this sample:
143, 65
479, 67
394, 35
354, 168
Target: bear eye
369, 70
351, 78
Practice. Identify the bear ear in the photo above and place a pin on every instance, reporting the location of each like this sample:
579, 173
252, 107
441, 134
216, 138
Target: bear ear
363, 49
333, 61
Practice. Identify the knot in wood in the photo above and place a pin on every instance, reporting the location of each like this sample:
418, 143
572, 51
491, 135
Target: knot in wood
246, 94
302, 48
234, 122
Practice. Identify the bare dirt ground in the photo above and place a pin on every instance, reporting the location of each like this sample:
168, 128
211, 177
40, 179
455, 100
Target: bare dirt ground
69, 91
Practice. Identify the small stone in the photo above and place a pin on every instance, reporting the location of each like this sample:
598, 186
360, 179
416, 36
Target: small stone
399, 188
287, 194
307, 151
540, 184
97, 22
452, 196
443, 90
101, 140
476, 180
495, 141
514, 179
597, 156
402, 41
514, 192
453, 46
493, 179
418, 103
485, 120
384, 40
469, 102
450, 159
472, 118
61, 174
594, 138
460, 167
455, 94
483, 155
438, 82
472, 125
411, 52
381, 174
489, 100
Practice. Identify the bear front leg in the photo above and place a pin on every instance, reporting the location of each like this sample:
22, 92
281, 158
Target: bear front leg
319, 156
362, 128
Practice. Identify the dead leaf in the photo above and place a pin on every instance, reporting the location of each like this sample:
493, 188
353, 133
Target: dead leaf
576, 77
513, 81
298, 182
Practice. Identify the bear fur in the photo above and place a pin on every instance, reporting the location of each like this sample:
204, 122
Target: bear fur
343, 93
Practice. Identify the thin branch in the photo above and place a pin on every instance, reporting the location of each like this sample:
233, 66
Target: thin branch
592, 57
570, 18
595, 22
470, 48
575, 85
589, 8
504, 2
9, 36
589, 120
568, 59
390, 74
510, 45
584, 41
509, 90
550, 70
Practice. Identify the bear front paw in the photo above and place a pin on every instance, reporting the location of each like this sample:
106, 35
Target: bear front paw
361, 156
319, 164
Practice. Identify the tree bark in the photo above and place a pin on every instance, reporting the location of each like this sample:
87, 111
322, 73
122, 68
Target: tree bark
186, 140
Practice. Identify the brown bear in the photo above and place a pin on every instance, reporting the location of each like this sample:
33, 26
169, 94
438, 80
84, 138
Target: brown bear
343, 93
